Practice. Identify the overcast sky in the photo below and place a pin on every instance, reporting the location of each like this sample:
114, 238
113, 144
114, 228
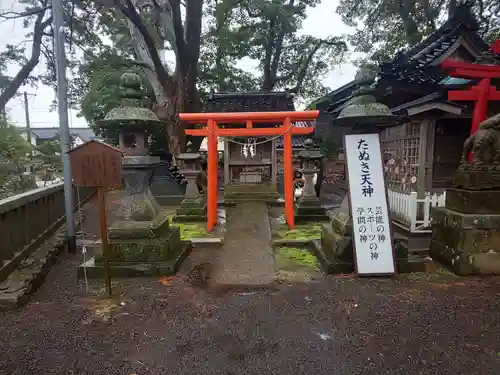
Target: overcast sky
322, 21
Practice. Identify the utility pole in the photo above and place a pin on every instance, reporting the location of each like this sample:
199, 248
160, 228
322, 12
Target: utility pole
62, 106
27, 116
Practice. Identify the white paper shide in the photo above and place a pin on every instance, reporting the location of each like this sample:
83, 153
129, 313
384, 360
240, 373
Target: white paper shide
370, 214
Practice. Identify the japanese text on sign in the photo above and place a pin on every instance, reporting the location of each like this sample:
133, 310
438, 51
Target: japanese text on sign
370, 214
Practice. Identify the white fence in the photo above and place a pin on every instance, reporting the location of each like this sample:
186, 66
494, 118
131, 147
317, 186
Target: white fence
413, 212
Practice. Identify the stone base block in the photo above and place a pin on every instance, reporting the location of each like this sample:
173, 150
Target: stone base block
473, 201
92, 269
337, 266
336, 246
189, 218
140, 229
169, 200
469, 244
309, 209
192, 210
341, 224
158, 249
477, 178
336, 252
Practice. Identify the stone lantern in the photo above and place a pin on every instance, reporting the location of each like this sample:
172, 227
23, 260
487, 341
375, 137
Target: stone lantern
141, 241
193, 207
364, 115
309, 206
134, 122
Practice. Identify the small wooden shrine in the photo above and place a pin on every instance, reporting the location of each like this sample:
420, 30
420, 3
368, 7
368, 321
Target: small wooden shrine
423, 154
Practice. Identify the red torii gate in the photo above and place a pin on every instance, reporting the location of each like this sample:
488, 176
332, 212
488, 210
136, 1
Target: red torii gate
481, 93
212, 131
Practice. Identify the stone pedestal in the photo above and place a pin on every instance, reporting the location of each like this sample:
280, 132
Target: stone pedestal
147, 248
336, 250
141, 243
193, 207
466, 232
251, 177
139, 204
309, 206
165, 188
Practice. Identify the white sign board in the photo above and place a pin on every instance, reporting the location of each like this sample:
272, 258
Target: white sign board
374, 253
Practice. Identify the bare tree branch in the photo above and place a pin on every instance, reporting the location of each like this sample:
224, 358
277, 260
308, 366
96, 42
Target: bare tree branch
305, 63
28, 67
128, 8
13, 15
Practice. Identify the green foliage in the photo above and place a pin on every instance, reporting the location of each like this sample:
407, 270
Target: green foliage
100, 90
14, 149
83, 26
265, 31
14, 156
329, 146
384, 27
48, 156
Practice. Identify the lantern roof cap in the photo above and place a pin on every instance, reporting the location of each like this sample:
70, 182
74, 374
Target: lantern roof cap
132, 114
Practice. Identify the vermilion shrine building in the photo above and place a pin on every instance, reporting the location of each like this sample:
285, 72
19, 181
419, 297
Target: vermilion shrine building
423, 154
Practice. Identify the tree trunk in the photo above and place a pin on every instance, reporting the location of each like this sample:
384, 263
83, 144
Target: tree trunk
412, 35
178, 91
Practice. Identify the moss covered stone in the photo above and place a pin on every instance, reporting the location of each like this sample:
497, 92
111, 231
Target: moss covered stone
158, 249
309, 232
192, 230
127, 229
467, 243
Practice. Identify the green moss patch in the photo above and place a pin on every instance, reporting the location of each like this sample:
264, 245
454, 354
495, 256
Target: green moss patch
295, 264
304, 232
291, 258
193, 230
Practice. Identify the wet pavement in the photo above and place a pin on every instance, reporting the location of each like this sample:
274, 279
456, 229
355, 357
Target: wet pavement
246, 258
435, 324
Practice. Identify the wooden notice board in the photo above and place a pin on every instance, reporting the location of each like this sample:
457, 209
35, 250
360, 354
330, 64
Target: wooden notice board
373, 242
96, 164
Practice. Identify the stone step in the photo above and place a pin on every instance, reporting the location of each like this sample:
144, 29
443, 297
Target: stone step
420, 252
252, 188
259, 197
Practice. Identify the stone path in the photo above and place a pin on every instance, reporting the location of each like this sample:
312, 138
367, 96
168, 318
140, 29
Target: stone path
246, 258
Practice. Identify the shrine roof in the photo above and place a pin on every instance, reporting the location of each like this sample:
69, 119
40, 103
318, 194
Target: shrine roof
249, 102
415, 71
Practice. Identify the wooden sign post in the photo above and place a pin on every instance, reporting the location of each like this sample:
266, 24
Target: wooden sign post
96, 164
373, 242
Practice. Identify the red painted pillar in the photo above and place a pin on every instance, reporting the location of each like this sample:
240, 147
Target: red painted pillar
288, 175
212, 178
481, 107
215, 172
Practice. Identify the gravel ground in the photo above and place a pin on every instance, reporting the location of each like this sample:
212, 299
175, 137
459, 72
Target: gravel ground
417, 324
438, 324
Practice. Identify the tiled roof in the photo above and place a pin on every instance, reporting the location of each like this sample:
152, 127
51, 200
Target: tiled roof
256, 102
249, 102
85, 134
